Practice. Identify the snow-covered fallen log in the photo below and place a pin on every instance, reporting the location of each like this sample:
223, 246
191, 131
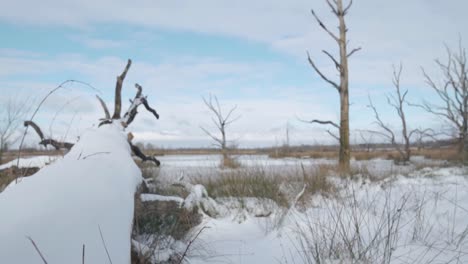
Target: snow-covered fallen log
63, 206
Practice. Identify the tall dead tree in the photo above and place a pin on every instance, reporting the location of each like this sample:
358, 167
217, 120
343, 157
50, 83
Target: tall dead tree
221, 122
397, 101
452, 90
341, 65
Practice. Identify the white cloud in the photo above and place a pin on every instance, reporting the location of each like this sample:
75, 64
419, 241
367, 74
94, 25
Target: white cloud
97, 43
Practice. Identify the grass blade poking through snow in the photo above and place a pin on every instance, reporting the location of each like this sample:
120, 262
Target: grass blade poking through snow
37, 249
104, 244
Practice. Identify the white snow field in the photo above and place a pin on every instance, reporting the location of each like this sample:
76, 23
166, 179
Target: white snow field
70, 202
421, 218
407, 216
29, 162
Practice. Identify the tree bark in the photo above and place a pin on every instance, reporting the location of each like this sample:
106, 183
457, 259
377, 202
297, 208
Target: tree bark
345, 153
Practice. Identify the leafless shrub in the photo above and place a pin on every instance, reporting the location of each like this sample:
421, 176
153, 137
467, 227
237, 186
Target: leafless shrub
384, 227
349, 231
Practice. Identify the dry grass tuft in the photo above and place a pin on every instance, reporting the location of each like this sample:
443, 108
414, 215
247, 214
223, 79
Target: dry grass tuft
10, 174
449, 154
230, 163
252, 182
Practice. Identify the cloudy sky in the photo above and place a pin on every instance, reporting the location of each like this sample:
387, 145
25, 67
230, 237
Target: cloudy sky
248, 53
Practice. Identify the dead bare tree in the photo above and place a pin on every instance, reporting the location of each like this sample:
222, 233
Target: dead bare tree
341, 65
452, 91
10, 121
221, 122
398, 102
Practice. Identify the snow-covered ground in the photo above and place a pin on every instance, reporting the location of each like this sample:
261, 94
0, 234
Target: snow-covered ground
29, 162
85, 198
421, 218
193, 166
409, 216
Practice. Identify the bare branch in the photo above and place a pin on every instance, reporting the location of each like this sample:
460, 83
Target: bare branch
337, 64
324, 27
334, 84
332, 7
139, 90
327, 122
104, 107
218, 140
133, 109
35, 127
147, 107
47, 141
37, 250
137, 151
389, 133
353, 51
118, 91
333, 135
56, 144
190, 243
348, 7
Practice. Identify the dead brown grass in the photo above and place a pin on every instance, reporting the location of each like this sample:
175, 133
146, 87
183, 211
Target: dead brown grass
252, 182
317, 180
447, 153
10, 174
231, 163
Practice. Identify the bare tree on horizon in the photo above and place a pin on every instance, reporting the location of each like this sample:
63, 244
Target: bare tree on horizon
221, 121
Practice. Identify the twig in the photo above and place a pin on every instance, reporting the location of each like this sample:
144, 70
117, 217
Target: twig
94, 154
104, 107
37, 250
104, 244
39, 106
190, 243
83, 255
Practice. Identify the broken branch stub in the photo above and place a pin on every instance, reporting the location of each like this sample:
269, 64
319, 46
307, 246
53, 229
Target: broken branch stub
137, 151
104, 107
133, 109
118, 91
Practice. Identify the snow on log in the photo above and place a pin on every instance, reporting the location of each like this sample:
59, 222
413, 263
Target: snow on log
67, 204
